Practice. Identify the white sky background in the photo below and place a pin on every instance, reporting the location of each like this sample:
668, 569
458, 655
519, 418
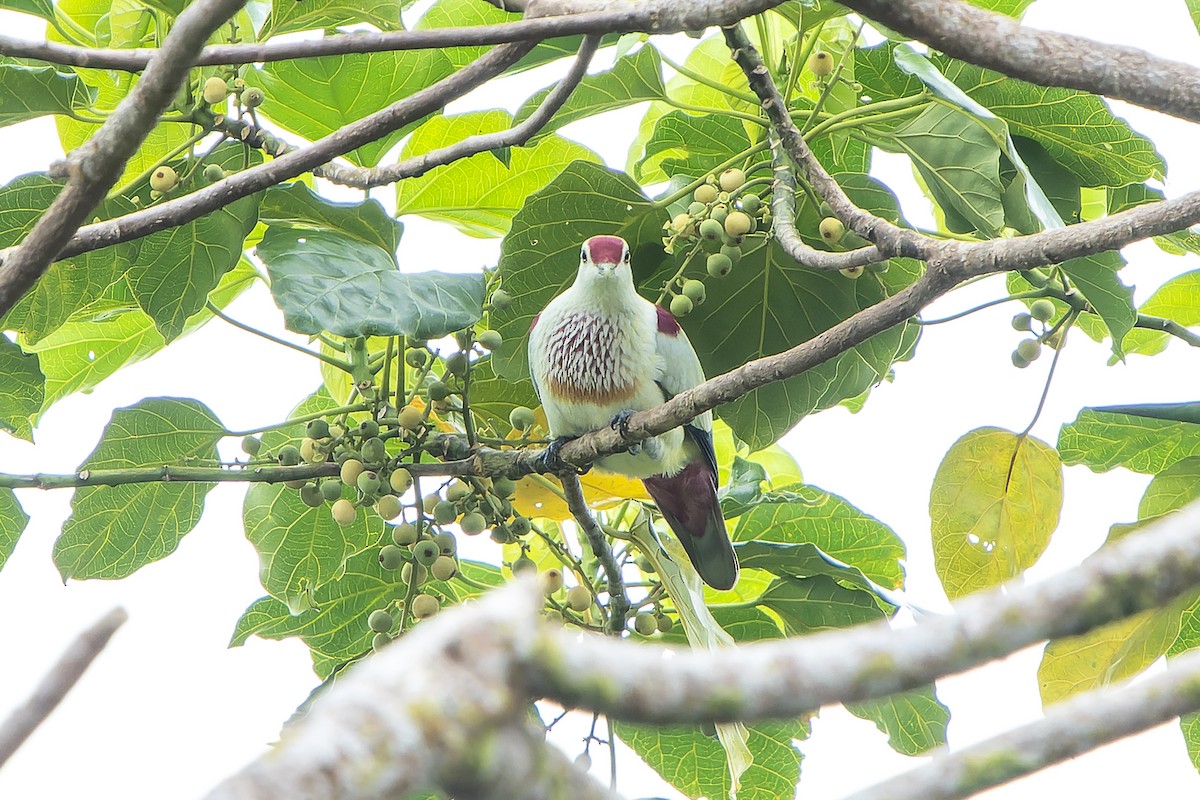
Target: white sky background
167, 710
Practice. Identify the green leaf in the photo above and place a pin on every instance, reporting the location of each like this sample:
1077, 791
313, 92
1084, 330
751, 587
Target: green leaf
314, 97
1098, 280
777, 304
13, 520
38, 8
683, 144
297, 206
914, 721
111, 88
22, 389
807, 605
711, 59
70, 284
102, 338
960, 161
1110, 653
325, 281
27, 91
335, 626
469, 13
1128, 436
695, 763
481, 194
1077, 129
115, 530
995, 502
834, 529
301, 549
802, 561
1171, 489
632, 79
493, 398
177, 268
1193, 7
288, 16
540, 254
1178, 299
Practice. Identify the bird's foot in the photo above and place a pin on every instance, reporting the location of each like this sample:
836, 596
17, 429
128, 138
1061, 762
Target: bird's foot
620, 423
551, 458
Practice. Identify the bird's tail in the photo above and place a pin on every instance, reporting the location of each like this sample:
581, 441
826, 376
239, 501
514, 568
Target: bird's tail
688, 502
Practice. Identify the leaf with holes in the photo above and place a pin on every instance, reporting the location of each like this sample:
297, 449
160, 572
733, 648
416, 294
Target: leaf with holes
995, 502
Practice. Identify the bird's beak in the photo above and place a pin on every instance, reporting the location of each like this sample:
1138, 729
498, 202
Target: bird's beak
606, 267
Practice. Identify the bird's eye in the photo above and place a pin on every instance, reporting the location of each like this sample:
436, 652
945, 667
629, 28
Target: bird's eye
583, 255
626, 256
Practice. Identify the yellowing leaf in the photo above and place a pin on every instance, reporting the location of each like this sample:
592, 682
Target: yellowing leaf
603, 490
994, 503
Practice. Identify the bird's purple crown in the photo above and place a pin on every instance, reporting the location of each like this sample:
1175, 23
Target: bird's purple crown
606, 249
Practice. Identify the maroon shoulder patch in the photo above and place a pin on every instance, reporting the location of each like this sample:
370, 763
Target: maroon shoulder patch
606, 249
536, 317
666, 323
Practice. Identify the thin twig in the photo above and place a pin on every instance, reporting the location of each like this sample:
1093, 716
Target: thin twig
618, 599
25, 719
783, 214
515, 136
1069, 729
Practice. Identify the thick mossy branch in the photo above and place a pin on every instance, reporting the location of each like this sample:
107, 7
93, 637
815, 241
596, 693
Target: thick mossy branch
442, 707
437, 707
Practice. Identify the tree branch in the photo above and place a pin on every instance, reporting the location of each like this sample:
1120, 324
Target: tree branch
786, 678
618, 599
515, 136
58, 681
94, 168
1073, 728
437, 706
783, 216
554, 18
1043, 57
444, 706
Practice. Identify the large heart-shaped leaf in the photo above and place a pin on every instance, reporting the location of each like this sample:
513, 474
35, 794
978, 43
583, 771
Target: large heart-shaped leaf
995, 502
115, 530
177, 268
297, 206
314, 97
326, 281
70, 284
479, 195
